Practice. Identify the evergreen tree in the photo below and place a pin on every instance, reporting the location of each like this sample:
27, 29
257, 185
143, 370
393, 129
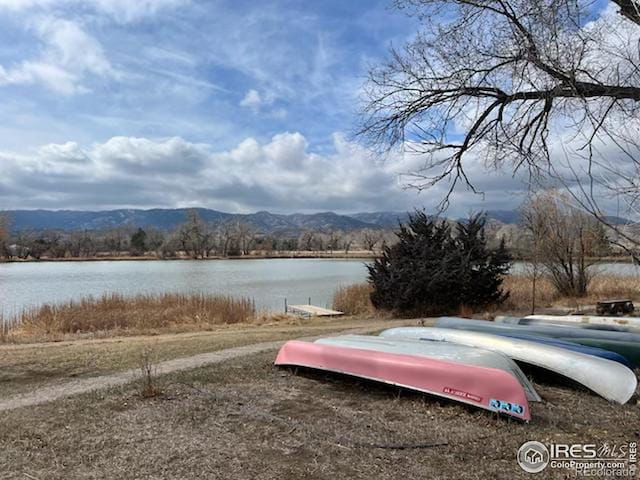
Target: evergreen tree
139, 242
432, 269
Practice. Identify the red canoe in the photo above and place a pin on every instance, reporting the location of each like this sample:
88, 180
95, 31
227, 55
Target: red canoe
483, 387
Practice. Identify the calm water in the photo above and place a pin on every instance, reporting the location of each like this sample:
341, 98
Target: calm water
268, 282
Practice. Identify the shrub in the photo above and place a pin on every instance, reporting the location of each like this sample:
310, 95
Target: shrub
353, 299
434, 270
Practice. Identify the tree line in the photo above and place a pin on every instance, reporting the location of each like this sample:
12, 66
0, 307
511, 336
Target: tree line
194, 238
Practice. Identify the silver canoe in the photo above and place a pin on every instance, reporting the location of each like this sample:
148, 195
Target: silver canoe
623, 324
550, 329
607, 378
439, 350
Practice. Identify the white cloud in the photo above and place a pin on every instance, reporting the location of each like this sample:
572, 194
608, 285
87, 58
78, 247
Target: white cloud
123, 11
251, 100
133, 10
69, 54
255, 100
279, 175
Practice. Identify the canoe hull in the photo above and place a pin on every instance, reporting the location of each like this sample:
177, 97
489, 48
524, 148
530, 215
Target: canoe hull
629, 350
609, 379
439, 351
523, 333
621, 324
486, 388
623, 343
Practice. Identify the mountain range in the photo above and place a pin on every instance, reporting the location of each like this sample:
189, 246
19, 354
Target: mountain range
169, 219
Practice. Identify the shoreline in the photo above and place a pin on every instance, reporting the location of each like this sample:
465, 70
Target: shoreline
357, 255
360, 255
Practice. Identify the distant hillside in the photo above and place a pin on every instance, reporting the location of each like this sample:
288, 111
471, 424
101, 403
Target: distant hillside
265, 222
504, 216
169, 219
382, 219
390, 219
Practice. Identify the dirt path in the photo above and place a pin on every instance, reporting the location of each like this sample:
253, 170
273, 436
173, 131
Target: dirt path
84, 385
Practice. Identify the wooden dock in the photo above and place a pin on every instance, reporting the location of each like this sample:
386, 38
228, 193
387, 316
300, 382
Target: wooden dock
313, 311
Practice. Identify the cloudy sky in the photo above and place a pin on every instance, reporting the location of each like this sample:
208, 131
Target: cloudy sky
233, 105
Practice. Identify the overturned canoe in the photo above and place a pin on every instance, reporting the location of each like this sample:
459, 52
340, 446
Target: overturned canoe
621, 324
437, 350
552, 330
610, 380
524, 334
623, 343
561, 321
487, 388
629, 350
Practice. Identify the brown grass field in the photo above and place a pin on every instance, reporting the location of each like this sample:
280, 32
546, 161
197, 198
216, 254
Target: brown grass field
246, 419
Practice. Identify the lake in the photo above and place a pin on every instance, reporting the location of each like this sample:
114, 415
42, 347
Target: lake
268, 282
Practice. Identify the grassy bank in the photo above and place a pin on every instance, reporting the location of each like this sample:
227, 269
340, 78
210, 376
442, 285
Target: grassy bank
119, 315
26, 366
354, 299
602, 287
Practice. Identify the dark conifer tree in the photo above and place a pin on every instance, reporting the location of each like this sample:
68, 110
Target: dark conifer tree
434, 270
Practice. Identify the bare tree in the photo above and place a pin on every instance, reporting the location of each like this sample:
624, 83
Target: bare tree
245, 235
565, 241
225, 234
196, 237
494, 81
116, 240
347, 242
370, 238
333, 238
307, 240
4, 235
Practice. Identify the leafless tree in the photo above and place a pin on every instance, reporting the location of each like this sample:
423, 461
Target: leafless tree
493, 82
370, 238
307, 240
225, 233
245, 235
566, 240
196, 237
4, 235
333, 238
116, 239
347, 242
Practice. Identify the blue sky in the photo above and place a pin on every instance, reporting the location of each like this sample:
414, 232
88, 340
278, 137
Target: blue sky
235, 105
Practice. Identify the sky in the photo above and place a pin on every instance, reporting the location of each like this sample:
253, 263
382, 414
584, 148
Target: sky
236, 105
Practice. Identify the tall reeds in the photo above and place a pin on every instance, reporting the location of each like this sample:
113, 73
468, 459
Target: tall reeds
141, 314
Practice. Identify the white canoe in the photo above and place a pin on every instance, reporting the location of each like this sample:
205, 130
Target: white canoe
607, 378
625, 324
439, 350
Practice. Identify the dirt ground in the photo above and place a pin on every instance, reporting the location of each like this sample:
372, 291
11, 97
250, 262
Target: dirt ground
246, 419
25, 367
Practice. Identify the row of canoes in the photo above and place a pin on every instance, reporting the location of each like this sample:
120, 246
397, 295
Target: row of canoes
477, 362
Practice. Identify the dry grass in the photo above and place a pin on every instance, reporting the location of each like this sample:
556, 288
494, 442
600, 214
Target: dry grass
124, 315
602, 287
354, 299
244, 419
25, 367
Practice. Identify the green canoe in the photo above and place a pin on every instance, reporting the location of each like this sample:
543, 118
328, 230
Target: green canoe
629, 350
